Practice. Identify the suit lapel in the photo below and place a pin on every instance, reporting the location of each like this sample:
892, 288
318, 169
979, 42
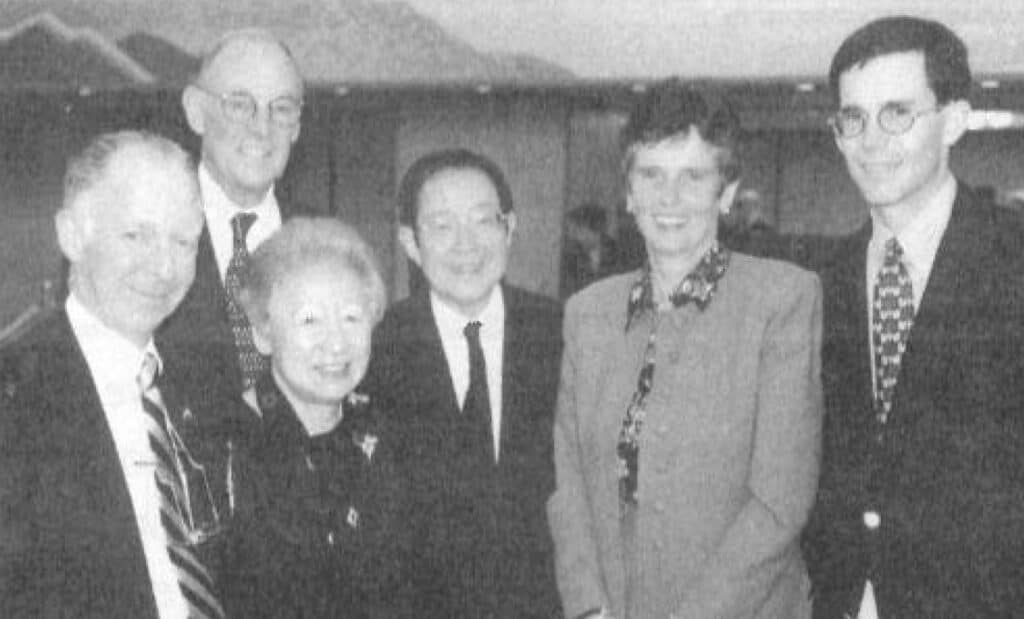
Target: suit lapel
958, 265
422, 347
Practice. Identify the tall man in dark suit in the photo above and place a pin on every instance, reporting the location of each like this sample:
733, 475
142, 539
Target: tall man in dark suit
920, 503
468, 369
246, 105
98, 511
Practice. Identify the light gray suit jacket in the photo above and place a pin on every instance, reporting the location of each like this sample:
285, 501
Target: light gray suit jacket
729, 451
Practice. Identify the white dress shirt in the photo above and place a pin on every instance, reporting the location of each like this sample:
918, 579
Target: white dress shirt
219, 209
450, 323
920, 241
114, 363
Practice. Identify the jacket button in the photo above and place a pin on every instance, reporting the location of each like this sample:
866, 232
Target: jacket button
872, 520
330, 537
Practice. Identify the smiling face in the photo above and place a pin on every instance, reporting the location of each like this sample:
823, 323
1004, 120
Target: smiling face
898, 172
317, 332
461, 239
131, 241
676, 192
244, 158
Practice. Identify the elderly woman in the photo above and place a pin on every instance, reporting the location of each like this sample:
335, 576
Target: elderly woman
314, 499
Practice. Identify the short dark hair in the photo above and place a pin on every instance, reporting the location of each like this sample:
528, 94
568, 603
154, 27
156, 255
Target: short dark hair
945, 55
452, 159
672, 108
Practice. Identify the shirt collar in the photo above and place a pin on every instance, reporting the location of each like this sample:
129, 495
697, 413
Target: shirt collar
217, 206
451, 322
698, 287
921, 237
113, 360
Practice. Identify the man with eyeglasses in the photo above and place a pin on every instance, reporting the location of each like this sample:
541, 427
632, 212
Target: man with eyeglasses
468, 370
245, 105
920, 502
102, 505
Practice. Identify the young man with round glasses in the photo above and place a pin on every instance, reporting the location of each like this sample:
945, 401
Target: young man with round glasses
245, 104
920, 500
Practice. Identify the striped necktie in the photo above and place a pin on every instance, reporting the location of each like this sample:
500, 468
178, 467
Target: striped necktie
193, 578
892, 316
251, 362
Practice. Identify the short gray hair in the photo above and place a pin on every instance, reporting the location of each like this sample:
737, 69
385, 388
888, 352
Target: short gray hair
89, 167
306, 241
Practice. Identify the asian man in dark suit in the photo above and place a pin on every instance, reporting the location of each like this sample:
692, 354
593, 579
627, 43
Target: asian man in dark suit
246, 105
94, 518
468, 370
920, 502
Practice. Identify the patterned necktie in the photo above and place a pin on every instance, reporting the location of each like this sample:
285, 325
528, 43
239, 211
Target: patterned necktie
476, 410
251, 362
892, 315
193, 579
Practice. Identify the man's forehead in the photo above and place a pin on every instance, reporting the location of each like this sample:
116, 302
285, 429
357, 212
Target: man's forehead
895, 77
250, 63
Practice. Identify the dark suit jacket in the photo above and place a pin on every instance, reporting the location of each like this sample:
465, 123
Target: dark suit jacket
315, 530
481, 546
69, 543
196, 340
945, 473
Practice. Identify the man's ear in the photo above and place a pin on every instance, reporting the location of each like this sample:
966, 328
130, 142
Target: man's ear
407, 237
70, 235
261, 337
510, 226
956, 115
191, 101
725, 201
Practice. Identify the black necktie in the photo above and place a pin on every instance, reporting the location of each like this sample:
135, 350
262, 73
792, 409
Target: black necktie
251, 362
476, 410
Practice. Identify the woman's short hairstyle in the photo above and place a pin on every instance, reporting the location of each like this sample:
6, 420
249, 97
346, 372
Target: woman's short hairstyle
303, 242
672, 108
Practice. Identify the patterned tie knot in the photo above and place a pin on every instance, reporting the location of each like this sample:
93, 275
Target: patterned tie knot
893, 252
240, 225
472, 330
148, 372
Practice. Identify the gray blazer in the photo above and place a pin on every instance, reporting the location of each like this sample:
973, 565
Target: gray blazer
729, 450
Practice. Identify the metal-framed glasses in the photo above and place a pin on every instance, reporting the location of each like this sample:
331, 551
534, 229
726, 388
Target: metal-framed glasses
241, 107
893, 118
443, 226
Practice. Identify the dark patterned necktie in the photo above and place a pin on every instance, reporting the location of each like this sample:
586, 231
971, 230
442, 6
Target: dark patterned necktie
193, 578
251, 362
476, 409
892, 315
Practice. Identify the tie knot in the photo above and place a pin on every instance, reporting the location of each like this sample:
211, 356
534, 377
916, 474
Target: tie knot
240, 225
472, 331
893, 250
148, 371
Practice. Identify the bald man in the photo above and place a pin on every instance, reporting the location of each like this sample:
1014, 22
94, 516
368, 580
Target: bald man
95, 520
245, 104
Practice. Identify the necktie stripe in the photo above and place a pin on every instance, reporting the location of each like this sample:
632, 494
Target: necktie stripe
202, 607
188, 564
